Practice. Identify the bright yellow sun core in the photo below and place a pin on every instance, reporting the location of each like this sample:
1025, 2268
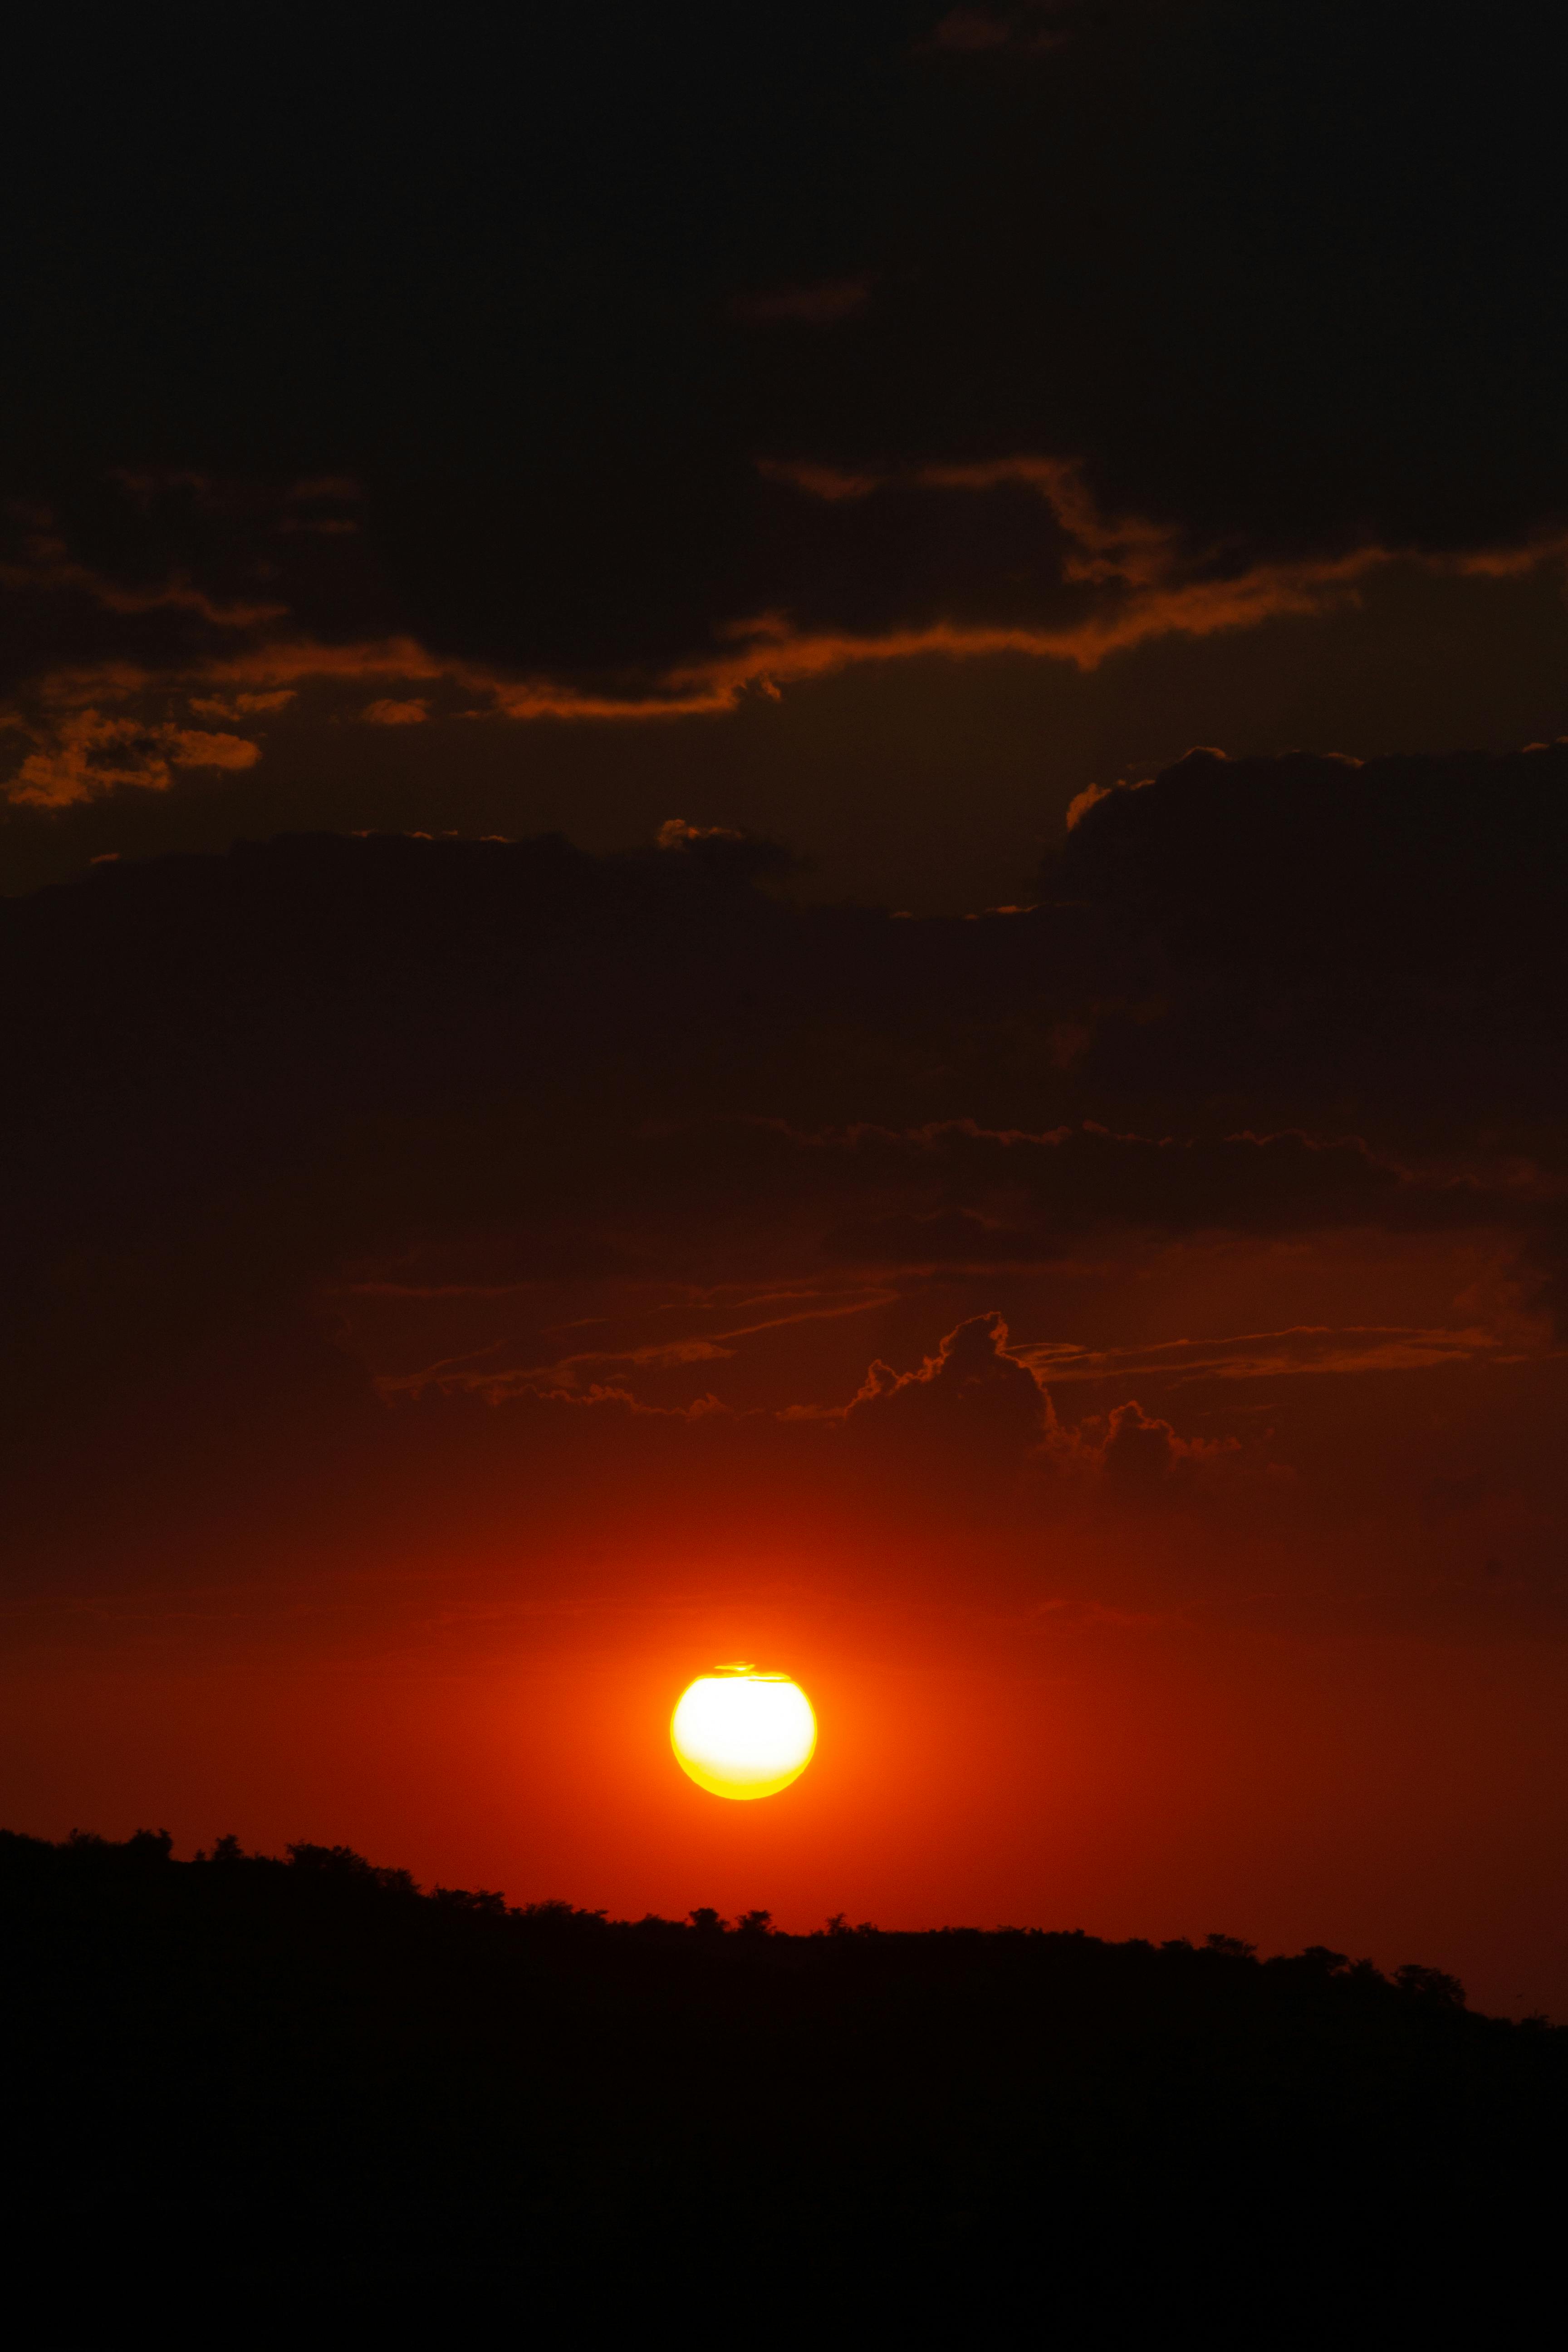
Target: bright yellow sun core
740, 1733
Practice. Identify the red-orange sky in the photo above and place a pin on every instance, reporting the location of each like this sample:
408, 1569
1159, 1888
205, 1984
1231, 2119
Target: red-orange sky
634, 1037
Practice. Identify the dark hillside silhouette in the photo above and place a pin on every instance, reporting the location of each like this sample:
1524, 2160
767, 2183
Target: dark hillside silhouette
246, 2094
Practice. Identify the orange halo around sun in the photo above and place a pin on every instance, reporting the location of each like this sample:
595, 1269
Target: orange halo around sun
738, 1733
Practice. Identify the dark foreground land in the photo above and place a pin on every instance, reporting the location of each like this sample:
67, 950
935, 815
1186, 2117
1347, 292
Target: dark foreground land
249, 2100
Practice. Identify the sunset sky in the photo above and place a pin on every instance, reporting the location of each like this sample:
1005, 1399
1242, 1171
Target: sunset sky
636, 1036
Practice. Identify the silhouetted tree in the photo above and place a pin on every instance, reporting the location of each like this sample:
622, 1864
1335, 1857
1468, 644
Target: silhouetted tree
1430, 1986
343, 1862
416, 2101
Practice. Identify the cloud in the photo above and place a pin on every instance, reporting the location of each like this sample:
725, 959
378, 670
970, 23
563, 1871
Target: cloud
973, 1395
676, 833
580, 1186
189, 747
1124, 602
1269, 1355
90, 753
1029, 367
980, 1402
1081, 802
1140, 1455
1007, 1196
1299, 921
1125, 260
444, 1062
391, 713
1006, 559
578, 1374
241, 706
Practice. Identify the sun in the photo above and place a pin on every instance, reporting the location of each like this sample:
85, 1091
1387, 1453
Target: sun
740, 1733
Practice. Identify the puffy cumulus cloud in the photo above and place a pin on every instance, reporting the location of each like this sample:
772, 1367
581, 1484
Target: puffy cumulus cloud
982, 1401
977, 1417
1140, 1457
972, 1392
974, 1421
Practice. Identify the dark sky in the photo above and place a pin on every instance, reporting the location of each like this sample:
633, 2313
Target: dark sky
868, 427
633, 1033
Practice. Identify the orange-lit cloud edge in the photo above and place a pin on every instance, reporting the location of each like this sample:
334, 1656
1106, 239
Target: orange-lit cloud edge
1140, 582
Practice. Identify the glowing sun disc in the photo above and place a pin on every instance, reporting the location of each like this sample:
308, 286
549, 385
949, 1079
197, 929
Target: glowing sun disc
743, 1734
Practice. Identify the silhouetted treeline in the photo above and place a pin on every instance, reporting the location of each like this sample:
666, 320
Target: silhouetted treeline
246, 2095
